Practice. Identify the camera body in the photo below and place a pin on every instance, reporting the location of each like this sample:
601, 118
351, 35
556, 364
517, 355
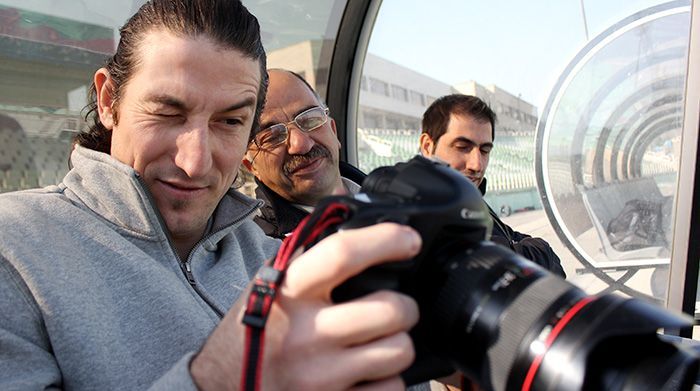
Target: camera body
435, 200
491, 314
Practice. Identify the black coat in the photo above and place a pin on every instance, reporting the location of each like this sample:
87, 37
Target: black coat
534, 249
279, 217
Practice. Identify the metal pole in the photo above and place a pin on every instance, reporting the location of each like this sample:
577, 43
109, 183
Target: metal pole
585, 23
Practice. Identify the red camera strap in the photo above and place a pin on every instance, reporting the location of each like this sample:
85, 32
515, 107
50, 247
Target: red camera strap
268, 280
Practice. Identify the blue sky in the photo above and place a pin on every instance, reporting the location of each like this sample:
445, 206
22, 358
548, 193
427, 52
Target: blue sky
521, 46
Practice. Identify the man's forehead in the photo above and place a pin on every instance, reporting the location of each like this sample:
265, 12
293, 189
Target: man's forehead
467, 126
188, 60
159, 37
287, 96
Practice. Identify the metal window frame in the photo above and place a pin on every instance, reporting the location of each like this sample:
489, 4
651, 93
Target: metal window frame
345, 75
685, 255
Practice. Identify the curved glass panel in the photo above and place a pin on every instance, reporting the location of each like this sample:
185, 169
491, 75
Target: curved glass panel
609, 142
589, 98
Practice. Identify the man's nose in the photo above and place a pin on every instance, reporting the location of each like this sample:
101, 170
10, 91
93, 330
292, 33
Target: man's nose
474, 160
193, 154
299, 142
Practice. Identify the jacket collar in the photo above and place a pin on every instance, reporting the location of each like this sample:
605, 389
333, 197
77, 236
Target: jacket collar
277, 210
115, 192
482, 186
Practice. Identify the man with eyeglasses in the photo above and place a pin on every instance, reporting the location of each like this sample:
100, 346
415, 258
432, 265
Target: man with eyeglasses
134, 272
295, 156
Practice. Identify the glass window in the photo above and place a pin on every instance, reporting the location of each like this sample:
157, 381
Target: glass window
393, 123
417, 98
48, 54
399, 93
589, 98
378, 87
49, 51
372, 121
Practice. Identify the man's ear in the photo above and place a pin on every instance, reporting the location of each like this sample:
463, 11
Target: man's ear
104, 88
426, 145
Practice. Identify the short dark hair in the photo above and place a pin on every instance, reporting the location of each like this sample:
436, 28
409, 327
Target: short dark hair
226, 22
437, 116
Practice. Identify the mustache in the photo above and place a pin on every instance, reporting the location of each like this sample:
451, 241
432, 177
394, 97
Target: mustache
295, 161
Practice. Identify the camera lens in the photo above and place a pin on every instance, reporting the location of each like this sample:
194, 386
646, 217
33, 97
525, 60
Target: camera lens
509, 324
495, 316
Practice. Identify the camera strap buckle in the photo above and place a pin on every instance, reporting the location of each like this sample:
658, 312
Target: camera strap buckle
268, 280
261, 296
258, 307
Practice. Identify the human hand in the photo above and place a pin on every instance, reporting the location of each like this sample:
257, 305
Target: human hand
313, 343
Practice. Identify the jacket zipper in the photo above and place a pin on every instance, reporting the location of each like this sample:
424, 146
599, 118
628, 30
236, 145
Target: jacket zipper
185, 266
188, 274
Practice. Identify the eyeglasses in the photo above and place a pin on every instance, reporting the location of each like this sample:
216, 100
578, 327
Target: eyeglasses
278, 134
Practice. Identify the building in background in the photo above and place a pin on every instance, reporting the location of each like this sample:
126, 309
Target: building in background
393, 99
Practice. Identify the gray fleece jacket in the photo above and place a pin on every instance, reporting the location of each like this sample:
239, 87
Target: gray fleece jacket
92, 294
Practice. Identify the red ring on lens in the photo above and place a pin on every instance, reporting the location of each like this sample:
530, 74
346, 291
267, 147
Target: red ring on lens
530, 377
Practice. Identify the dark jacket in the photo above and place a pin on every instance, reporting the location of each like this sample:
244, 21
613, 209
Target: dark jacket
279, 217
534, 249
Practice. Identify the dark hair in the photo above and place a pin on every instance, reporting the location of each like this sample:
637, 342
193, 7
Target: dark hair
226, 22
437, 116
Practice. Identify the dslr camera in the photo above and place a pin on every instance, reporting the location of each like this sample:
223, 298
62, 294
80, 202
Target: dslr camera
501, 320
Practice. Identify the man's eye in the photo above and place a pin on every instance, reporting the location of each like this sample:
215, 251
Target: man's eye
167, 115
310, 122
265, 138
232, 121
464, 147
